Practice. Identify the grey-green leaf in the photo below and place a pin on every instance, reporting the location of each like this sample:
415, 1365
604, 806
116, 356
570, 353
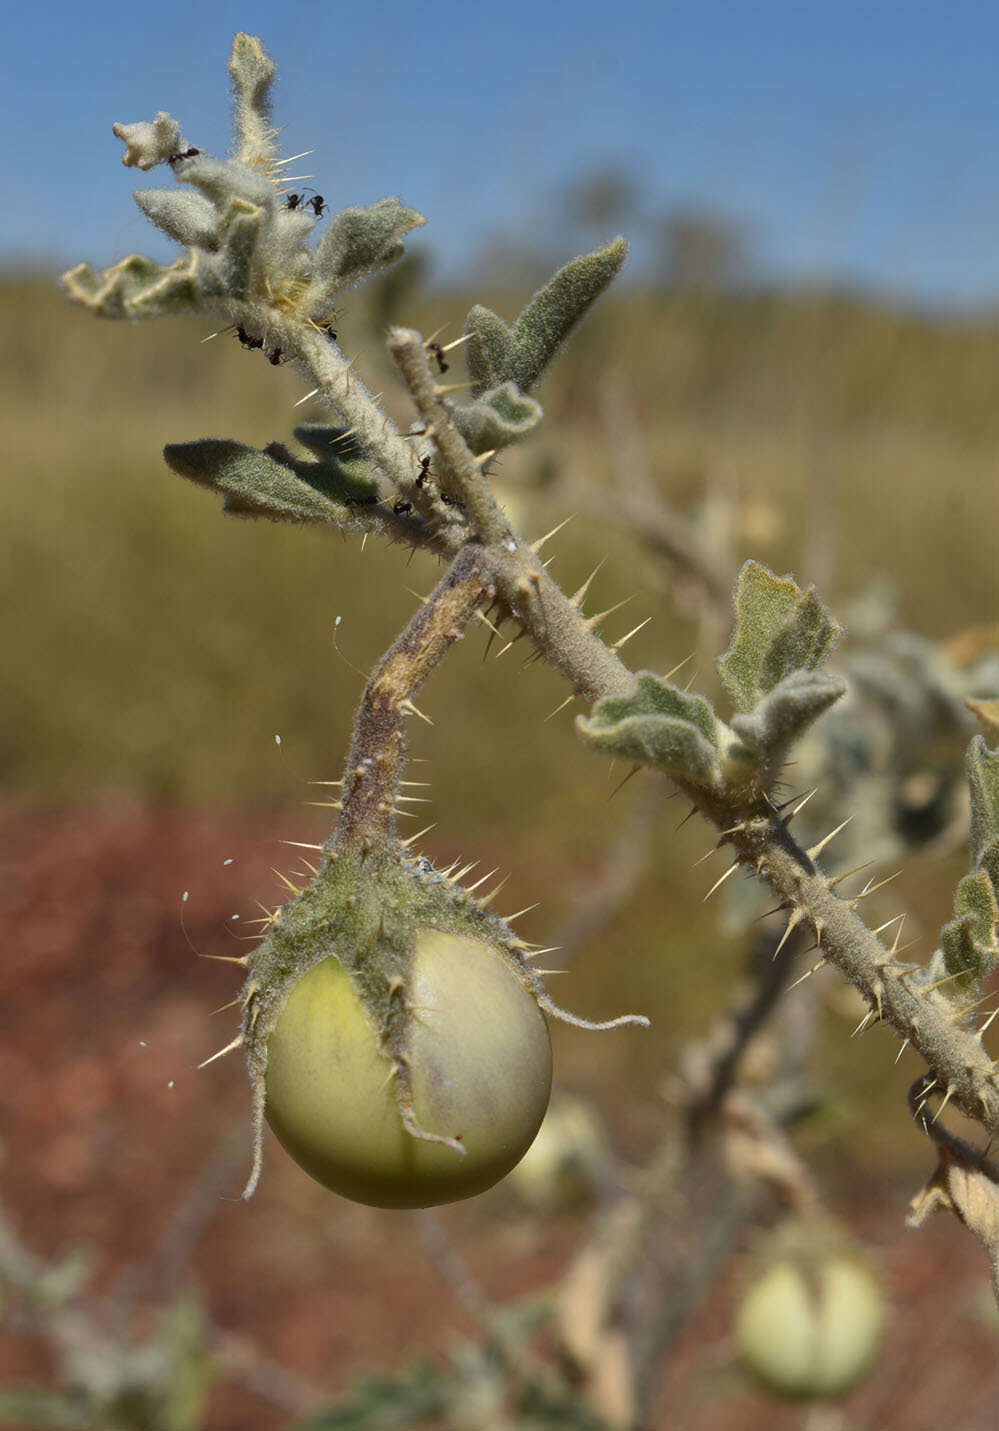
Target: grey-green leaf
150, 142
252, 483
969, 940
240, 232
137, 287
185, 217
496, 418
252, 74
553, 312
226, 181
488, 350
658, 725
768, 732
983, 780
779, 629
357, 242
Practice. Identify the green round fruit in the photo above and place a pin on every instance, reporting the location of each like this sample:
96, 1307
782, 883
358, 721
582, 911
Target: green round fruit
569, 1162
810, 1331
480, 1065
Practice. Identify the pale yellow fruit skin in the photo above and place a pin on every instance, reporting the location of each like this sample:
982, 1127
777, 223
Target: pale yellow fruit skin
568, 1162
480, 1061
810, 1339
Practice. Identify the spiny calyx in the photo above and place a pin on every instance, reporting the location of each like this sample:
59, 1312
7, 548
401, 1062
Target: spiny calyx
394, 1033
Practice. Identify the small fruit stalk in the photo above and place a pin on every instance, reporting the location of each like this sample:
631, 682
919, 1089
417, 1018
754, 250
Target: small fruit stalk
393, 1025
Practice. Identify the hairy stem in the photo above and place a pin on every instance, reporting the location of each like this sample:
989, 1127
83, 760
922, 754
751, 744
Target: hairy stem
377, 752
567, 641
411, 358
347, 395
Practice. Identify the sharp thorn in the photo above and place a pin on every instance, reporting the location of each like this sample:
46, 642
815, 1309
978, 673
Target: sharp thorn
807, 974
689, 816
720, 881
800, 806
222, 1007
410, 709
678, 667
487, 899
888, 922
286, 881
535, 547
579, 597
622, 783
592, 622
480, 881
988, 1023
562, 705
236, 1043
509, 918
817, 849
633, 632
792, 924
946, 1099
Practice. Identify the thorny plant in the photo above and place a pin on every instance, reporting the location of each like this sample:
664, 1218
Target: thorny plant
251, 261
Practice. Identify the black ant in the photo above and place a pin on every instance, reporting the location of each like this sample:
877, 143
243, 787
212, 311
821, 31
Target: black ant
274, 357
452, 501
401, 508
437, 352
424, 471
328, 330
360, 501
299, 201
246, 340
191, 153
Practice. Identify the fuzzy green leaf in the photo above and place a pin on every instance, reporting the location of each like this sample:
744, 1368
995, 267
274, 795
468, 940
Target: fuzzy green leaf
347, 482
783, 715
553, 312
254, 483
187, 218
969, 940
358, 242
983, 780
252, 74
496, 419
149, 143
496, 354
489, 349
779, 629
658, 725
240, 232
226, 181
339, 448
137, 287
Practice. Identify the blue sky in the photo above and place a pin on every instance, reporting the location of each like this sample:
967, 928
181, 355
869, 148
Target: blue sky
859, 141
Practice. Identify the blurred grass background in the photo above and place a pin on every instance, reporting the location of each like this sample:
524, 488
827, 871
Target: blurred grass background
153, 650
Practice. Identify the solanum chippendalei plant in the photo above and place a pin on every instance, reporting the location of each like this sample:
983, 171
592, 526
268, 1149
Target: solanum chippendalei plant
392, 1022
